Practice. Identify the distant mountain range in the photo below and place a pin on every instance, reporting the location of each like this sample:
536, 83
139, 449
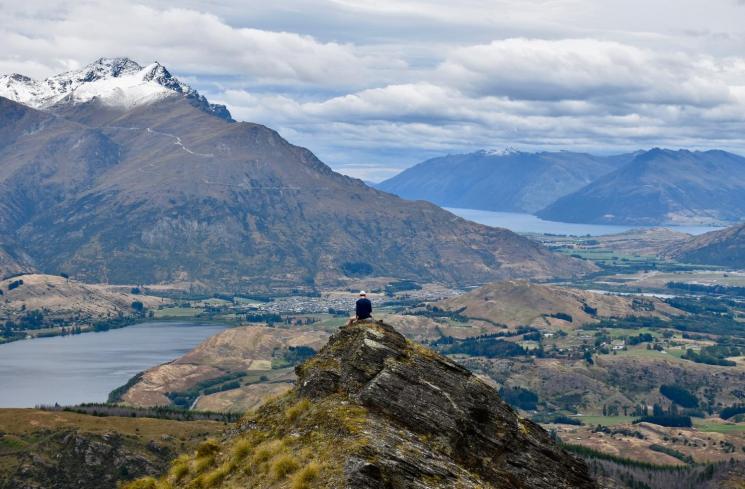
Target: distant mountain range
121, 173
652, 187
511, 181
661, 186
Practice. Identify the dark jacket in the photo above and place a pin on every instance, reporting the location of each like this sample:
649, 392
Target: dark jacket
363, 309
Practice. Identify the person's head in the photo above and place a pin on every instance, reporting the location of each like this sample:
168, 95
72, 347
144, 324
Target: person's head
363, 293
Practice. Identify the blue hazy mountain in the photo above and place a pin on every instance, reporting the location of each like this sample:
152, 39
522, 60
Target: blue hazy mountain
661, 186
512, 181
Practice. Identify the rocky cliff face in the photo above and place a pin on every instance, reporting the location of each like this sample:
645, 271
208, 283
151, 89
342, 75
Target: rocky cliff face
373, 410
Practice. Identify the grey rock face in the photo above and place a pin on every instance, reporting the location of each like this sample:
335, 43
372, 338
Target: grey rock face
432, 422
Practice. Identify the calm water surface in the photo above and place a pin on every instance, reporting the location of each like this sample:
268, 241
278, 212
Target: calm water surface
528, 223
86, 367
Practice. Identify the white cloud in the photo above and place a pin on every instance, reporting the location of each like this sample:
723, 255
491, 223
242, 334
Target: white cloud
186, 39
376, 85
586, 69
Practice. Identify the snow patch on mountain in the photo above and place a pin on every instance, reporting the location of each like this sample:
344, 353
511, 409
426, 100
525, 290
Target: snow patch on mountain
500, 152
118, 82
124, 91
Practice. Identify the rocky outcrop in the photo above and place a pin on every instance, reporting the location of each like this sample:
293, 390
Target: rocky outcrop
436, 424
375, 411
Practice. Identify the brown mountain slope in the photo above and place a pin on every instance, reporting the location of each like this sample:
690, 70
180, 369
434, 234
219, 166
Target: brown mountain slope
66, 300
373, 410
13, 261
174, 193
516, 303
45, 159
250, 356
725, 247
643, 241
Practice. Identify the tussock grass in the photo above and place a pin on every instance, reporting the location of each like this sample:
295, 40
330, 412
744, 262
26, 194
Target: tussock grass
289, 443
179, 468
297, 410
266, 452
144, 483
242, 449
214, 478
305, 477
201, 464
283, 466
208, 447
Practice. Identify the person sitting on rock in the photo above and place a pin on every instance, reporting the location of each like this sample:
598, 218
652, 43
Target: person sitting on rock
363, 308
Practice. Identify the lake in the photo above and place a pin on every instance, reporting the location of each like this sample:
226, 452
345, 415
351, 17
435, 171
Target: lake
528, 223
86, 367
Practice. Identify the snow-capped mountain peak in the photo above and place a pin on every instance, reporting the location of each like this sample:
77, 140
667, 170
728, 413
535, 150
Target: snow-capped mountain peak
509, 150
119, 82
103, 68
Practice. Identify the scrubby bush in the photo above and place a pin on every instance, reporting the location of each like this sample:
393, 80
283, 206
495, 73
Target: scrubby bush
519, 397
179, 468
356, 269
484, 347
15, 284
679, 395
731, 411
214, 478
567, 420
563, 316
670, 421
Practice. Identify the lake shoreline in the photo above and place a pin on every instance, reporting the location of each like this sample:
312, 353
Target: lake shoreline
84, 368
523, 223
130, 321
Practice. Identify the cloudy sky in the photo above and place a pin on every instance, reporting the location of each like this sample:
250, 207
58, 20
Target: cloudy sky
373, 86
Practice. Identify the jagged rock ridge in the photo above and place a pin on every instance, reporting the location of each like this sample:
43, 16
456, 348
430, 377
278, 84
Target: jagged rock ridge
117, 81
373, 411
